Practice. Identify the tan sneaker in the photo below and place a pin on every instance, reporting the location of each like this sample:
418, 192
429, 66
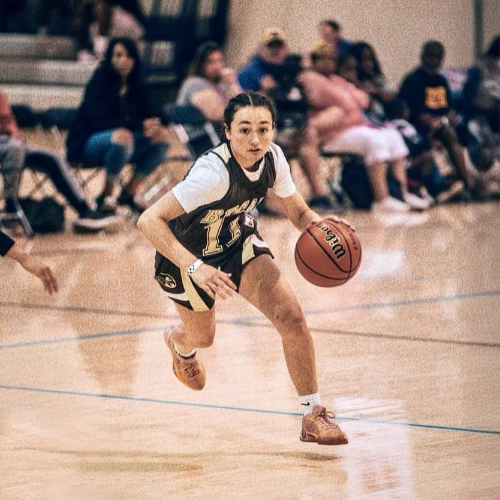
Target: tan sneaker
190, 372
317, 428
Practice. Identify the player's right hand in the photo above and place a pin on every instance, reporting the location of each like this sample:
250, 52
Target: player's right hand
214, 281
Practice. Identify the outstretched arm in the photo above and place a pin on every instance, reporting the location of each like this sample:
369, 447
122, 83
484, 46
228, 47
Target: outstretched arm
35, 267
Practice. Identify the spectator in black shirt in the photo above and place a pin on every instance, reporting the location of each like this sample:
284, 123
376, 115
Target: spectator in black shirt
428, 97
9, 248
113, 127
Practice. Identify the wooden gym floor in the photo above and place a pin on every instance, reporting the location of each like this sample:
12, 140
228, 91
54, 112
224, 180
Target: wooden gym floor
408, 357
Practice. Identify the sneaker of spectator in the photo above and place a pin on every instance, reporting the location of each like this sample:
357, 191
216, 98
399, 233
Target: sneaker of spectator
390, 204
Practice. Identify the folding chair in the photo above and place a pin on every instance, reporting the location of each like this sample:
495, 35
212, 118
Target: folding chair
193, 131
19, 214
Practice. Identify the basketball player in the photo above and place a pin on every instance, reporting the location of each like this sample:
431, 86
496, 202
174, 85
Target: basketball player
9, 248
208, 246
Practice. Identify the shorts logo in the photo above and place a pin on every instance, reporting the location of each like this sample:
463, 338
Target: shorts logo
166, 280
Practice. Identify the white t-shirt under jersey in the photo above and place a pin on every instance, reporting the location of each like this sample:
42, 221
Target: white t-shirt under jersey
208, 180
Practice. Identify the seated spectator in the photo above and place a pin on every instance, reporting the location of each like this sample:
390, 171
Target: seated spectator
97, 22
113, 127
338, 121
331, 33
370, 75
347, 68
210, 84
372, 80
15, 155
428, 96
263, 71
292, 135
482, 108
54, 15
422, 168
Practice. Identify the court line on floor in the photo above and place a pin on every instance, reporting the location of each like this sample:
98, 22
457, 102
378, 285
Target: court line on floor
138, 331
237, 408
307, 312
383, 305
90, 336
91, 310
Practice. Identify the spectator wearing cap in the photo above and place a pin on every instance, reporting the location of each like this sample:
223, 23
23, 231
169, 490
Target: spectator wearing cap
331, 33
262, 72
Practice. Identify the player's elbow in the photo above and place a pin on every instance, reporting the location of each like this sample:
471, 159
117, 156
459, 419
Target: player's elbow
144, 222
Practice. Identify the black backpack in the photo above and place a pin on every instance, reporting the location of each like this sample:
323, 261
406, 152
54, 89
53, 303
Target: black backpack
45, 215
356, 185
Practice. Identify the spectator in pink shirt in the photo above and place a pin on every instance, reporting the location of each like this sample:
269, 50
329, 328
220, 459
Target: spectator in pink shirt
339, 124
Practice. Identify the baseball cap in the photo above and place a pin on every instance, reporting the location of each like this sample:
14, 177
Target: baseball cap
272, 35
322, 49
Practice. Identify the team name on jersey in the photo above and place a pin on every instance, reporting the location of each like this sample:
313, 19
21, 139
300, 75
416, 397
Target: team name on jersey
214, 220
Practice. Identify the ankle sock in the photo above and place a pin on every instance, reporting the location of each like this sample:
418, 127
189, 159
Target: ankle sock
307, 402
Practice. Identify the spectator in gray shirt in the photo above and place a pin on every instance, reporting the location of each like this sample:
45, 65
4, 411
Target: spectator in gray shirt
210, 84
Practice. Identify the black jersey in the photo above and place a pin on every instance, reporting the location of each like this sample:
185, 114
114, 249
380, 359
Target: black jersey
214, 231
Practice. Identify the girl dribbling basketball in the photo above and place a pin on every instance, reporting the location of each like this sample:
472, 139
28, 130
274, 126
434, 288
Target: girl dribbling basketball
208, 246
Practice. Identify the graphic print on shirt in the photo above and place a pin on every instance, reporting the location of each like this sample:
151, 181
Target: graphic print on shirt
435, 98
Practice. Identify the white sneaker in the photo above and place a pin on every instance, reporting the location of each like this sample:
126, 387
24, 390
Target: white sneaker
390, 204
416, 203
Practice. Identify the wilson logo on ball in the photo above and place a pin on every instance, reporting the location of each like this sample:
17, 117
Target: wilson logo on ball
332, 239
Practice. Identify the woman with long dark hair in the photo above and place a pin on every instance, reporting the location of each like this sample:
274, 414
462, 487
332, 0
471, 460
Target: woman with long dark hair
113, 126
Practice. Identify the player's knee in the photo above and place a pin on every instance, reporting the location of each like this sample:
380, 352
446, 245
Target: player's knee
123, 136
291, 319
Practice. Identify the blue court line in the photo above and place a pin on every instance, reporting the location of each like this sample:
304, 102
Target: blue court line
138, 331
90, 310
91, 336
238, 408
382, 305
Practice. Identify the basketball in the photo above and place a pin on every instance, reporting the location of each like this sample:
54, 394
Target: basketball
328, 254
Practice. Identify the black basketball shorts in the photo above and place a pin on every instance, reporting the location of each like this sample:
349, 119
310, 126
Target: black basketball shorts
179, 286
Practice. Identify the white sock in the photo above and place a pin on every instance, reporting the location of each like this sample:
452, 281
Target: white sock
307, 402
189, 355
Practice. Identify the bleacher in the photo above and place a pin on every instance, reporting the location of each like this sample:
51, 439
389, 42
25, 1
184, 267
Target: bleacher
42, 71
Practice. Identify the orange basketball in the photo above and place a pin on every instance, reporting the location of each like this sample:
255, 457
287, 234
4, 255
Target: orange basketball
328, 254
